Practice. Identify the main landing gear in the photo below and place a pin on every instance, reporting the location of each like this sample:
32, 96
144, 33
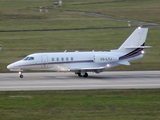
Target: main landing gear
20, 75
82, 75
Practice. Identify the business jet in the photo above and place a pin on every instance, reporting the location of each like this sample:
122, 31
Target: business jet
83, 62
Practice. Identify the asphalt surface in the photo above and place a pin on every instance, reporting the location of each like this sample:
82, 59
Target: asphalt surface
70, 81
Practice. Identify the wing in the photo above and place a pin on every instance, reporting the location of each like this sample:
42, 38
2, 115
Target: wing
95, 69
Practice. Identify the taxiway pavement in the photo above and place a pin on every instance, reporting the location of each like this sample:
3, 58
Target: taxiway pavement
70, 81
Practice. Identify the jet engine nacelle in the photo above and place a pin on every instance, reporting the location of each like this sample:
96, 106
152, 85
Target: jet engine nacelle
105, 58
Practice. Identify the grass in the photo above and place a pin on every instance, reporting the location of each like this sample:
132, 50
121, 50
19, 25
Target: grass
22, 15
17, 46
78, 105
34, 20
144, 10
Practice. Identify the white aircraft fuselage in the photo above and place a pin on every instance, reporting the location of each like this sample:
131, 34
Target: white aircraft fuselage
83, 62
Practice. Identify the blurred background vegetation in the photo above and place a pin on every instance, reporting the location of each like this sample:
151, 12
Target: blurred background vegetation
26, 29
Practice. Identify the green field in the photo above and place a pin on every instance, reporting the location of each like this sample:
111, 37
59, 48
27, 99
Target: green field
19, 17
81, 105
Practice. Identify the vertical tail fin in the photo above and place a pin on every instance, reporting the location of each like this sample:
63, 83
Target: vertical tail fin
135, 40
132, 48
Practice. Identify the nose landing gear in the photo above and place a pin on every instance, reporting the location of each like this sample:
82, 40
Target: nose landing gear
20, 75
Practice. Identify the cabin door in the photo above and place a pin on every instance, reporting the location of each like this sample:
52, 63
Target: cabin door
44, 61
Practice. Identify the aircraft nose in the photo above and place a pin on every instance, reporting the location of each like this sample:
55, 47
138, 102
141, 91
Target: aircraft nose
10, 66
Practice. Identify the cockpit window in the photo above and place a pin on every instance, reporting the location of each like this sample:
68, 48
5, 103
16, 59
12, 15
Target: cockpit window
31, 58
28, 58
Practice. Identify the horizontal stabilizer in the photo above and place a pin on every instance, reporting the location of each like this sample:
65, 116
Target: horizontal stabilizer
134, 47
124, 62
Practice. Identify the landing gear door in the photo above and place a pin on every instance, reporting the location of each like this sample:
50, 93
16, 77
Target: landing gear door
44, 61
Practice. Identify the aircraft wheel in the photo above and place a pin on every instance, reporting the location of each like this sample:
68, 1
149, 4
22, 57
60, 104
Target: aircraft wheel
21, 76
79, 74
86, 75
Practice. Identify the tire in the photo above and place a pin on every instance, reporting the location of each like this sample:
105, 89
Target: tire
79, 74
86, 75
21, 76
